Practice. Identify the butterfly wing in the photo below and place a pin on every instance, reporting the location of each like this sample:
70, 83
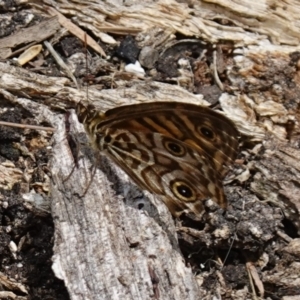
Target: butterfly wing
176, 150
165, 166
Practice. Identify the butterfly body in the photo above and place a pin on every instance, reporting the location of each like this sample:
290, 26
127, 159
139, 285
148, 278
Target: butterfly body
178, 151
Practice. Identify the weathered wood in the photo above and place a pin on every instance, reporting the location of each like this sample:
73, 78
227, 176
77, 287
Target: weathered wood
110, 242
34, 33
105, 245
241, 23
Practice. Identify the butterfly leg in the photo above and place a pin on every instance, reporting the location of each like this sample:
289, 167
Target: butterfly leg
93, 172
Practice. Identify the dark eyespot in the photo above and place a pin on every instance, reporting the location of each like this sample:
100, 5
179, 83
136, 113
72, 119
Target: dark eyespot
183, 191
107, 139
174, 148
208, 133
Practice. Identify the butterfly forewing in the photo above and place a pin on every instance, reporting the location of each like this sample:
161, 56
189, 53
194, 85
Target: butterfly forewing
179, 151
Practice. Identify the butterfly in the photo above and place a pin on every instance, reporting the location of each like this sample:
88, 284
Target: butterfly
179, 151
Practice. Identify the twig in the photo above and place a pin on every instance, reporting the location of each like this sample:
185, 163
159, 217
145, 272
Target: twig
66, 23
26, 126
215, 71
60, 62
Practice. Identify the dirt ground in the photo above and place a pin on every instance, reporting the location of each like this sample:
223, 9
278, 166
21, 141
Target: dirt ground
26, 237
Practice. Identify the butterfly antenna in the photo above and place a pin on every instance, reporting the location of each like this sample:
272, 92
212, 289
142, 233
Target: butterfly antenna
74, 144
86, 66
94, 166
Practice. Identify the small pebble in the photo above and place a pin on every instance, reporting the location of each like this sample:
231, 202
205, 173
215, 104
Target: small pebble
148, 57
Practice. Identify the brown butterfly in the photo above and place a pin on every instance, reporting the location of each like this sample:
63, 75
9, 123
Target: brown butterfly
178, 151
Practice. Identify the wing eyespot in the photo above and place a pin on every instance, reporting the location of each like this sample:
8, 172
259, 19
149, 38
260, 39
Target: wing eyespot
207, 132
174, 148
107, 139
183, 191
